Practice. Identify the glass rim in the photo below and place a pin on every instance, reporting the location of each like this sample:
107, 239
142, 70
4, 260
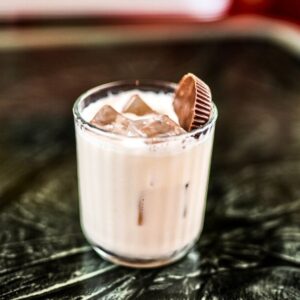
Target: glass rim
137, 83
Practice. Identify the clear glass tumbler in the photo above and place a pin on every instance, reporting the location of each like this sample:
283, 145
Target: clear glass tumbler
142, 200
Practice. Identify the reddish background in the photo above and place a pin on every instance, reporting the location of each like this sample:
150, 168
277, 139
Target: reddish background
282, 9
286, 10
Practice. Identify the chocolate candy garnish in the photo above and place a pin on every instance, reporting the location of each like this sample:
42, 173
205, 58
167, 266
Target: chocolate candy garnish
192, 102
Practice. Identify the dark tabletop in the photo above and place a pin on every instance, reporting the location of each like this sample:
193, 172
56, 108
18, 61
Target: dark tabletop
250, 246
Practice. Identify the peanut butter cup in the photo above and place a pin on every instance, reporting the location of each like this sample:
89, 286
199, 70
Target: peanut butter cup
192, 102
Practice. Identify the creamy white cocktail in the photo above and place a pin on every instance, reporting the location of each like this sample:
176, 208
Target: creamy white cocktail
142, 183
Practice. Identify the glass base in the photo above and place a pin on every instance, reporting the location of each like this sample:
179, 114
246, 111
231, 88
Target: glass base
143, 263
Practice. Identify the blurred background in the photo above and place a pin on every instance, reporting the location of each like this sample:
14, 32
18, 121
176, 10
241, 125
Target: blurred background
197, 10
69, 30
248, 51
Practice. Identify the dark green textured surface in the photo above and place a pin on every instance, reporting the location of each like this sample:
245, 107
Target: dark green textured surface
250, 247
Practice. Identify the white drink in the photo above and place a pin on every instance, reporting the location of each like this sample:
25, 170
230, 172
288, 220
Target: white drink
139, 200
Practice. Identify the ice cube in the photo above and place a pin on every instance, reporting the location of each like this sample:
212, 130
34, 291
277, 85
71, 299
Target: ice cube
137, 106
105, 116
161, 125
152, 125
174, 127
109, 119
124, 126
